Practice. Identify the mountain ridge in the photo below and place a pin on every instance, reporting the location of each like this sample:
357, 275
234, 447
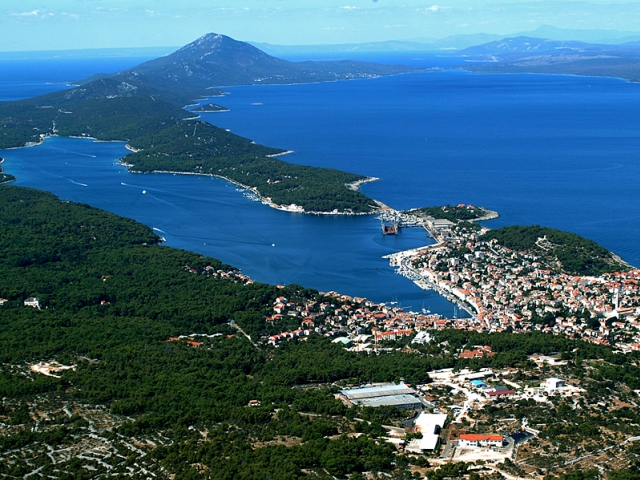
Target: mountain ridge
454, 42
215, 60
536, 55
144, 106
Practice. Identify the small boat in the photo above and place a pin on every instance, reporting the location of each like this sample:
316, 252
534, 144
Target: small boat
144, 192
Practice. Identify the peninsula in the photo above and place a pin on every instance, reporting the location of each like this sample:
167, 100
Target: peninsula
209, 108
143, 106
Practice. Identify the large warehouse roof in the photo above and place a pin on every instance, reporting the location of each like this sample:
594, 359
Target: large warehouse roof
379, 391
408, 401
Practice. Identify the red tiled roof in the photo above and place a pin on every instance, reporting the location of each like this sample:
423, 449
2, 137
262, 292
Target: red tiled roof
501, 392
480, 437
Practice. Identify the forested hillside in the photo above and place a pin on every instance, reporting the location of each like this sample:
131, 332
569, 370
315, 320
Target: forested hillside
104, 112
194, 146
149, 357
453, 213
111, 298
574, 254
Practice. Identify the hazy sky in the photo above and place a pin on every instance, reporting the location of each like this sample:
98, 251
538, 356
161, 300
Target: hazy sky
65, 24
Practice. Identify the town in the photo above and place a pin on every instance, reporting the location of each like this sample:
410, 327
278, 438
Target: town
502, 290
506, 290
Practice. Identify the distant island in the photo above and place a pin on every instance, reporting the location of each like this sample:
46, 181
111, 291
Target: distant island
143, 106
538, 55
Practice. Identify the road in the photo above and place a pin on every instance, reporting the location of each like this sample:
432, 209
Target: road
237, 327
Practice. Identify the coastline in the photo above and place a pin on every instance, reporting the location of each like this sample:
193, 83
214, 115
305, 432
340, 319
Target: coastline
355, 186
43, 137
293, 208
474, 72
131, 149
617, 258
209, 111
490, 215
428, 282
281, 154
478, 299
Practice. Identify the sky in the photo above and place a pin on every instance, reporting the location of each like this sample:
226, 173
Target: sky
75, 24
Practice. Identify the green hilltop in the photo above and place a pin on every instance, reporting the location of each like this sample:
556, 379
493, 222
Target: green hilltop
571, 253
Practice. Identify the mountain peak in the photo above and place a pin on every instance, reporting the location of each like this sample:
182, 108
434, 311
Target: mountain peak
208, 40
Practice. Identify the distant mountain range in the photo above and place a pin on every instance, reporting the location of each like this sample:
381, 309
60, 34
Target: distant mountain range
536, 55
517, 47
454, 42
520, 54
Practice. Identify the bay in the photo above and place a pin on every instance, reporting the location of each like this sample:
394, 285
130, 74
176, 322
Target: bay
560, 151
210, 216
555, 150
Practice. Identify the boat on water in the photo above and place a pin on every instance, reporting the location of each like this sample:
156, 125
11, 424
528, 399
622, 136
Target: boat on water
389, 229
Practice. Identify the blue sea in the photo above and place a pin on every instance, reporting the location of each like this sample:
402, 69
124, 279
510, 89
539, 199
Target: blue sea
559, 151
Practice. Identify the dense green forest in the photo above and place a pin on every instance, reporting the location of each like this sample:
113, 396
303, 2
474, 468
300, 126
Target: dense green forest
576, 255
110, 299
453, 213
194, 146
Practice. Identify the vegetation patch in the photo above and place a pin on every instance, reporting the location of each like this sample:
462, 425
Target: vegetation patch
571, 253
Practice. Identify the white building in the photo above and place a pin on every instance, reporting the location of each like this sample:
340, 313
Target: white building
399, 396
554, 383
441, 223
430, 424
480, 440
32, 302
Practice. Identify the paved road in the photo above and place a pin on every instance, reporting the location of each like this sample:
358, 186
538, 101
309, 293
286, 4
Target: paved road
448, 451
